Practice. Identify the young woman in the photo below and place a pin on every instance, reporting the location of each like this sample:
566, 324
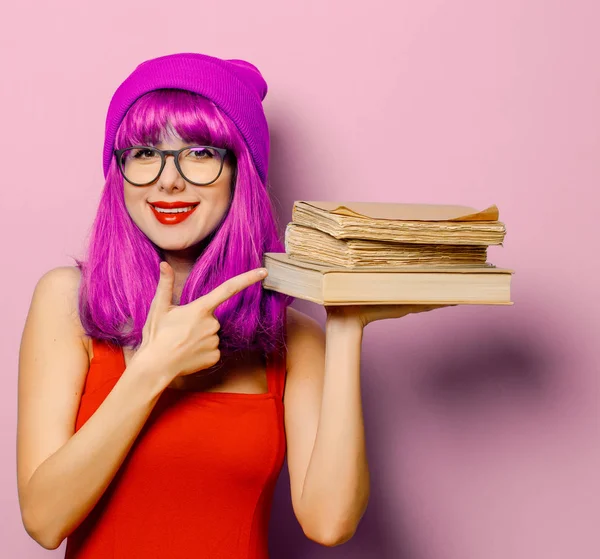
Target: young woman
153, 420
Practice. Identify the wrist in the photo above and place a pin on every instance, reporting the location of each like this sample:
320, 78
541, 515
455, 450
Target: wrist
338, 323
148, 369
345, 316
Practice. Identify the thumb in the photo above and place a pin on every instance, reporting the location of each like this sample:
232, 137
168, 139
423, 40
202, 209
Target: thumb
164, 290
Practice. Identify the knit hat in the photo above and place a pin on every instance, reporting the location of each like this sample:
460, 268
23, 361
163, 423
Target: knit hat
235, 86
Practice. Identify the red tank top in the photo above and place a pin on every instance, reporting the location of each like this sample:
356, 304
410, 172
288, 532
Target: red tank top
199, 479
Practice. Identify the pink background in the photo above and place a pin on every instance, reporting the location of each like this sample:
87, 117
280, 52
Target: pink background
482, 423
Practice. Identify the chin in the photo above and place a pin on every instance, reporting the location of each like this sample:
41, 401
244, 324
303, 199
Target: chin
176, 245
175, 238
177, 242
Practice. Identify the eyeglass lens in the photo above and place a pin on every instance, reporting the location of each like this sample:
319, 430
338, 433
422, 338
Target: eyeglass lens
198, 164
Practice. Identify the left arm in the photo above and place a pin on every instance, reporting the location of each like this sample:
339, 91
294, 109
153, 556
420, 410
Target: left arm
327, 462
329, 474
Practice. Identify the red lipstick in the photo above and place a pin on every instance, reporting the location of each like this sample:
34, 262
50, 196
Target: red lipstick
172, 218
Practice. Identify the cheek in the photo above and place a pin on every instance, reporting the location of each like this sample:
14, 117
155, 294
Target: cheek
217, 207
225, 196
134, 202
220, 196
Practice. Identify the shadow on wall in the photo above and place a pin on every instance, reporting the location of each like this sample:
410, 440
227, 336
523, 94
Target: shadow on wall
490, 364
450, 374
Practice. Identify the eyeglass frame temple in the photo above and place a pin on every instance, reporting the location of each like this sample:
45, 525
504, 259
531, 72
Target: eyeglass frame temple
163, 161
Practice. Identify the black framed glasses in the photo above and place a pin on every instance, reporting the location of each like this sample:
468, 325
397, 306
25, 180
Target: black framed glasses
199, 165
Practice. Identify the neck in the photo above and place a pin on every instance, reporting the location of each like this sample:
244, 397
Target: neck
182, 262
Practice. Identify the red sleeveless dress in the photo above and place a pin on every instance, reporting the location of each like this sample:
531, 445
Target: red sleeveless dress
198, 482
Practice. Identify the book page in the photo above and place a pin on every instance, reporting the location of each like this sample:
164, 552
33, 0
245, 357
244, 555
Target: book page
406, 212
288, 260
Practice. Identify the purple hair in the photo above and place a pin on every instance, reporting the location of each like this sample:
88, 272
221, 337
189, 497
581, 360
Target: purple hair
121, 271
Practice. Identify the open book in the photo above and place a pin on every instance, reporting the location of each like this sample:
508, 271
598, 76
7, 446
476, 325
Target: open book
402, 223
331, 285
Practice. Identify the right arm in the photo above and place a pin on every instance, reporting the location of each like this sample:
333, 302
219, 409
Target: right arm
62, 474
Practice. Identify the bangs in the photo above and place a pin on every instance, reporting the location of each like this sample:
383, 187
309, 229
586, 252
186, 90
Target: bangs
165, 114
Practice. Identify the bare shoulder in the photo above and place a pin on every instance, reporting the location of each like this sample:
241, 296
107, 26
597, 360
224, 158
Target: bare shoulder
62, 281
53, 364
305, 337
56, 297
300, 325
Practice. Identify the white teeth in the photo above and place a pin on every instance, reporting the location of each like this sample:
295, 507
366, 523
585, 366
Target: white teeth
174, 210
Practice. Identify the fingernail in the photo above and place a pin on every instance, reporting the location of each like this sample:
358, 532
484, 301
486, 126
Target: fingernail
262, 272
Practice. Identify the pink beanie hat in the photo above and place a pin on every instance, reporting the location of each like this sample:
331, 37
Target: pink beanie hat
235, 86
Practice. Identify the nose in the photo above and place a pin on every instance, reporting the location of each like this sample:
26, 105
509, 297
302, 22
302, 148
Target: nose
170, 179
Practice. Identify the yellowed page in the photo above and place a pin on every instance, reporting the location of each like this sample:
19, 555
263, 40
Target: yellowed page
406, 212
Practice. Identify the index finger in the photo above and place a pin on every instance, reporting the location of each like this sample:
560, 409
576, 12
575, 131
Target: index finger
231, 287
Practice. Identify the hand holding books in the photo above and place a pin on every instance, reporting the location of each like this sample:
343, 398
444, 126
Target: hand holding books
365, 314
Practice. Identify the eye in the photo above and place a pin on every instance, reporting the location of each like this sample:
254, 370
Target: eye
200, 153
143, 153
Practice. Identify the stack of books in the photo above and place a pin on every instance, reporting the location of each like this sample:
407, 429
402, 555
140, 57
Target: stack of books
340, 253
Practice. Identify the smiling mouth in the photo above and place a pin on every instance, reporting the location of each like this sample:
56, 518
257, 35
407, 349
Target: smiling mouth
174, 210
173, 216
